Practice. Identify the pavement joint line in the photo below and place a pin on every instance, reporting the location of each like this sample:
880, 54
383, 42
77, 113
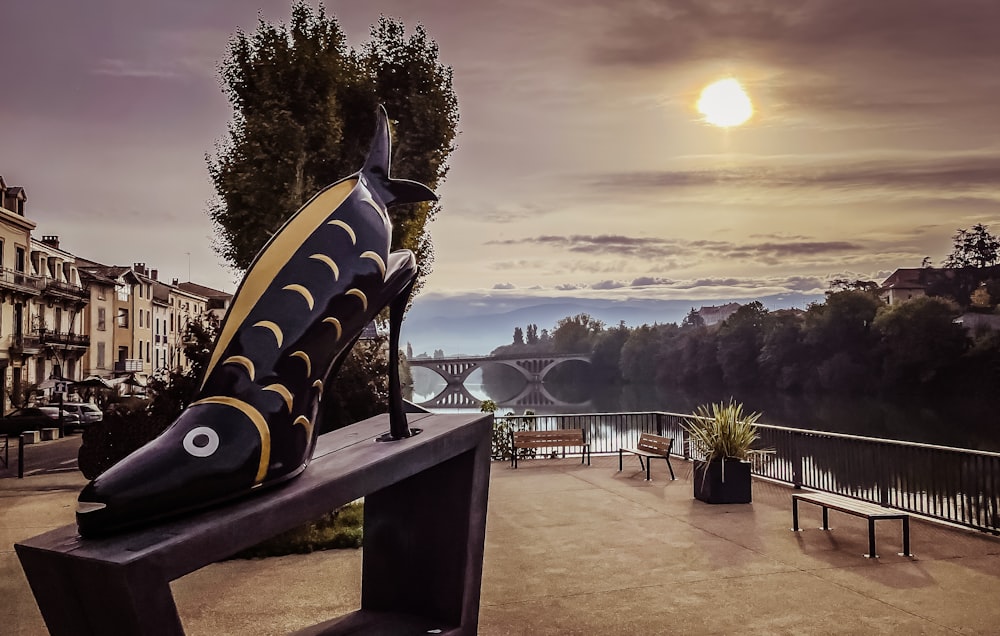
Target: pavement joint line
851, 589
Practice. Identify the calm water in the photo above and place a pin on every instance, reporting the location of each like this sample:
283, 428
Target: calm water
966, 422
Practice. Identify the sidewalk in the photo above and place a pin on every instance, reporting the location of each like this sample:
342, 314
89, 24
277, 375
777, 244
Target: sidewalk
572, 549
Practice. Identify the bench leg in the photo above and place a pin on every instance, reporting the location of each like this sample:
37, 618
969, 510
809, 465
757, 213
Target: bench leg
649, 462
795, 515
871, 540
671, 468
642, 465
619, 460
906, 538
826, 518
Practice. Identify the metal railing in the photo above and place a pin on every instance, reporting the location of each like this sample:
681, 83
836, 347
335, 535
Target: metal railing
956, 485
47, 336
13, 279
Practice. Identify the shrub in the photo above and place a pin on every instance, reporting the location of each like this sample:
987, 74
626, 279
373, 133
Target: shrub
342, 528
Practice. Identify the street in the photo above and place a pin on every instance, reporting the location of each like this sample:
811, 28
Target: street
55, 456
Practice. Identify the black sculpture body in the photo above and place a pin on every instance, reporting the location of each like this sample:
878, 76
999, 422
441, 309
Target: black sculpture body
301, 306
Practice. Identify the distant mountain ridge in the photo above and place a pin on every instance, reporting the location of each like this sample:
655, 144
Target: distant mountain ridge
475, 325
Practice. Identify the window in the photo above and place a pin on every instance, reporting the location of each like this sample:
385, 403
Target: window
58, 320
100, 292
101, 319
19, 259
1, 254
100, 355
123, 317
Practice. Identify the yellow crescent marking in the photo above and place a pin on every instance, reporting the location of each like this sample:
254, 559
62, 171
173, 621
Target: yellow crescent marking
283, 391
378, 261
360, 294
258, 420
318, 384
304, 421
323, 258
301, 290
304, 356
243, 361
275, 255
347, 228
336, 325
275, 329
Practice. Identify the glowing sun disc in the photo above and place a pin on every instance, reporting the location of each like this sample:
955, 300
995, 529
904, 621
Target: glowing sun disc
725, 104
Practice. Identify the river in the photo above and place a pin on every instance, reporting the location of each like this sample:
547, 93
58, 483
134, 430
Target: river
966, 421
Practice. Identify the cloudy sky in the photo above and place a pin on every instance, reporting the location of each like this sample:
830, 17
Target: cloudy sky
583, 166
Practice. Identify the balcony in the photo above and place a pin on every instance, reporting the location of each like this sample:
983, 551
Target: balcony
63, 338
22, 344
62, 290
19, 282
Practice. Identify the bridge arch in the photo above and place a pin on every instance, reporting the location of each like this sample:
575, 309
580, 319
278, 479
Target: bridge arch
533, 368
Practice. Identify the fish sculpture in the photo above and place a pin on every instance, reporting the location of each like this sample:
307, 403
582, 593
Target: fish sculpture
302, 305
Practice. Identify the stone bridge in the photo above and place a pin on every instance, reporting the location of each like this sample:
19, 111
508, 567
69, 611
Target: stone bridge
456, 371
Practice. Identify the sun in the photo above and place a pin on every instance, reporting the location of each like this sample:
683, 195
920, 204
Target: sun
725, 104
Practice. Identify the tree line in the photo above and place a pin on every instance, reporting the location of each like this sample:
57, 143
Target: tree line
852, 342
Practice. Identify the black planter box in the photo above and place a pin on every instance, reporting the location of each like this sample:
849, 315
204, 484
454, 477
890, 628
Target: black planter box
710, 487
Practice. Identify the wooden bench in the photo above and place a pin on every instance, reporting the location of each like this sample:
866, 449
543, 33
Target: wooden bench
871, 512
560, 438
650, 446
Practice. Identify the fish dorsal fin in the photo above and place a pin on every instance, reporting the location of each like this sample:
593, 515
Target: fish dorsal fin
376, 169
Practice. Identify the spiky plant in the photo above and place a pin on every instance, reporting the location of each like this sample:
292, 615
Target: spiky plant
723, 431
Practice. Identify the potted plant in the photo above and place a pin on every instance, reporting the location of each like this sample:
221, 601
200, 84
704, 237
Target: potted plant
723, 435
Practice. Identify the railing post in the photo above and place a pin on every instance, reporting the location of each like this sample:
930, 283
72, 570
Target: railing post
20, 458
883, 476
796, 460
659, 423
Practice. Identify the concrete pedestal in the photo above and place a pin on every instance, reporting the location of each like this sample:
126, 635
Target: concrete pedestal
425, 527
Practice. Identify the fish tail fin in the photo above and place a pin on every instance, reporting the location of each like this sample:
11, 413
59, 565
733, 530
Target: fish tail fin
376, 169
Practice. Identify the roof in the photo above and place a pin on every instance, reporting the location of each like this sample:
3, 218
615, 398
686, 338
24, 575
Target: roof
202, 290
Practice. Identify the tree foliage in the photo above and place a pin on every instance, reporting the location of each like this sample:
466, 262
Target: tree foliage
974, 248
304, 110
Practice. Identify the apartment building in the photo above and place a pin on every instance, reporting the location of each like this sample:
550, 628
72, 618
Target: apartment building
98, 318
57, 313
17, 291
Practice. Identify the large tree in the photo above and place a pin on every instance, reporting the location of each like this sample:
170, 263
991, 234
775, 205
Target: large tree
303, 114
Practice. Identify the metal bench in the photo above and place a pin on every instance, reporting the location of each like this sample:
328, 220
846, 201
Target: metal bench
560, 438
650, 446
871, 512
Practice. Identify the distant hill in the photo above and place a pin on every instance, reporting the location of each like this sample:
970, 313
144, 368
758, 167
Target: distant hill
477, 324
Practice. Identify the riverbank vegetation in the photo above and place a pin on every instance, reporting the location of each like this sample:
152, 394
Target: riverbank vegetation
853, 342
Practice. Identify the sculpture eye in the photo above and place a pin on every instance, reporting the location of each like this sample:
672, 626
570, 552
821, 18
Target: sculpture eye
201, 441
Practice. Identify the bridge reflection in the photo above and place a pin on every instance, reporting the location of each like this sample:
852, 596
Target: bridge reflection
534, 394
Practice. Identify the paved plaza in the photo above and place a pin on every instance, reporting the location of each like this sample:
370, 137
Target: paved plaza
573, 549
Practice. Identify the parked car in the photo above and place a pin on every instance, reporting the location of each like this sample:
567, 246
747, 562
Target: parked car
34, 418
87, 412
